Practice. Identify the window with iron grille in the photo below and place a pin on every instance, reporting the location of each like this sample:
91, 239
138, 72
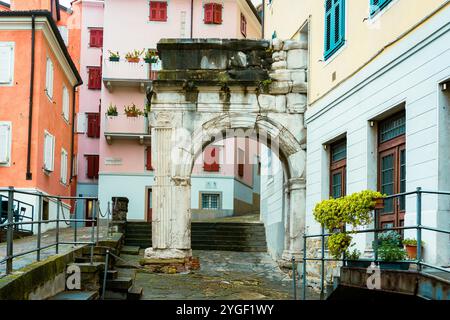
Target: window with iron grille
334, 26
211, 201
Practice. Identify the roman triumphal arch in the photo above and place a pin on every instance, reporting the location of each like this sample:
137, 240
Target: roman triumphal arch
214, 89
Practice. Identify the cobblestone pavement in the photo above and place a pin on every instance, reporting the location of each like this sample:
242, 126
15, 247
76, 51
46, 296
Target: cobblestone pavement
49, 237
223, 276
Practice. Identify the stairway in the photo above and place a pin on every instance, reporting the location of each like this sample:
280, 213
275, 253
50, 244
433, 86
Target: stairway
226, 236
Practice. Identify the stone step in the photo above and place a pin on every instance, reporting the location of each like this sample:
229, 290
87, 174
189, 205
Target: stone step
121, 284
110, 275
76, 295
230, 248
131, 250
135, 293
228, 234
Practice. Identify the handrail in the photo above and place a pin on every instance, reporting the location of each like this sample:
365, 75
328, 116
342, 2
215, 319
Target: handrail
11, 225
418, 227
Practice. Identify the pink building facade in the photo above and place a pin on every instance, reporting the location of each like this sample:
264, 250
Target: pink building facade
125, 142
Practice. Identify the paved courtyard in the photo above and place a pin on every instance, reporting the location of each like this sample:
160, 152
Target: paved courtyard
223, 275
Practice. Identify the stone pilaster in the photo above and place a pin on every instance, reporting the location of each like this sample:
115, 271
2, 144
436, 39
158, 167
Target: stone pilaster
171, 213
296, 188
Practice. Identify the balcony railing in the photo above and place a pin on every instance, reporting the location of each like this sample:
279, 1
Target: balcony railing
128, 74
123, 127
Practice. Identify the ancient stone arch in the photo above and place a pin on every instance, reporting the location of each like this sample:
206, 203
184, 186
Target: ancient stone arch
208, 90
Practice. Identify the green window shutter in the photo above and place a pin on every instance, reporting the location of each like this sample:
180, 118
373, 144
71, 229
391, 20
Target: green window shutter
334, 26
378, 5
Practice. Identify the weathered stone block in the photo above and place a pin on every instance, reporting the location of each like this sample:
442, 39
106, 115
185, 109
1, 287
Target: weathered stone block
296, 102
279, 56
280, 103
266, 102
299, 87
297, 59
277, 44
281, 75
280, 87
294, 44
279, 65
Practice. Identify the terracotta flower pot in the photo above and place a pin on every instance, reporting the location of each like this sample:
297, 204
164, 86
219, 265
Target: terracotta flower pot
379, 203
133, 60
411, 251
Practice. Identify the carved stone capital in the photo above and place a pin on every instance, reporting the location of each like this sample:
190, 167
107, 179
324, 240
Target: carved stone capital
181, 181
163, 120
296, 184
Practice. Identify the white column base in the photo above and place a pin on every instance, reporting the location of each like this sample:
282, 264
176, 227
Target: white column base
151, 253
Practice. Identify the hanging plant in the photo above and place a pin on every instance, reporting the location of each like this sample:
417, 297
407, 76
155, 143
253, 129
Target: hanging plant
151, 56
354, 210
134, 56
133, 111
114, 56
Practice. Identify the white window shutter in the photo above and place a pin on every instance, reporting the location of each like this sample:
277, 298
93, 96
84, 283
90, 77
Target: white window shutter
49, 152
81, 123
64, 166
5, 145
49, 78
6, 64
65, 103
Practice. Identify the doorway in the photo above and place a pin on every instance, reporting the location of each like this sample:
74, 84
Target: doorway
149, 205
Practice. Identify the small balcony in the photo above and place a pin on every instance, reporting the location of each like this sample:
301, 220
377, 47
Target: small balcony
129, 74
121, 127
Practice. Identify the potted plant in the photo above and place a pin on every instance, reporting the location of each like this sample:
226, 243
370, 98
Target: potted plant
133, 111
354, 210
112, 111
151, 56
411, 248
134, 56
390, 251
114, 56
353, 259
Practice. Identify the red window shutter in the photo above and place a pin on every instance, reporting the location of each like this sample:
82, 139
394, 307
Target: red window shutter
93, 125
95, 78
158, 11
217, 13
163, 11
243, 25
97, 125
96, 166
241, 169
100, 38
90, 167
148, 165
209, 13
212, 159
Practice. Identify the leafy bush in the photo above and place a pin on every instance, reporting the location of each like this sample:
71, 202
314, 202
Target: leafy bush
338, 243
389, 248
411, 242
353, 255
112, 110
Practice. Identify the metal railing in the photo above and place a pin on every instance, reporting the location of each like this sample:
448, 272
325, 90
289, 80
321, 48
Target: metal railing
418, 227
21, 210
11, 225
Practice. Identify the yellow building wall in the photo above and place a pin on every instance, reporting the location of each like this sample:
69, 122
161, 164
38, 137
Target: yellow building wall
365, 37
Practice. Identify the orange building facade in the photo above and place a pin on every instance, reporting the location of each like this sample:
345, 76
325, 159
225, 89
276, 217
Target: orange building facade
37, 89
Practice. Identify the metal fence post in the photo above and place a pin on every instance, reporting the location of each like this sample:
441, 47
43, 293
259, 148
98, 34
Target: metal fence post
107, 217
105, 274
375, 236
92, 233
304, 268
76, 224
38, 251
58, 203
322, 271
419, 227
10, 232
97, 211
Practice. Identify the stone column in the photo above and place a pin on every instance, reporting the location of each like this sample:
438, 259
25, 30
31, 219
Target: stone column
297, 211
171, 222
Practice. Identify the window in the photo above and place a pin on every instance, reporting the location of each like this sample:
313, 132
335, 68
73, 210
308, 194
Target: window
213, 13
211, 159
49, 152
93, 120
211, 201
81, 122
158, 11
64, 161
338, 166
334, 26
148, 156
243, 25
6, 63
74, 165
65, 103
96, 38
241, 162
49, 78
378, 5
5, 143
392, 168
95, 78
93, 162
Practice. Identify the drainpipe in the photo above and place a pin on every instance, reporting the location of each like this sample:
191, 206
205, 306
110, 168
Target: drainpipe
72, 144
192, 18
263, 18
29, 175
